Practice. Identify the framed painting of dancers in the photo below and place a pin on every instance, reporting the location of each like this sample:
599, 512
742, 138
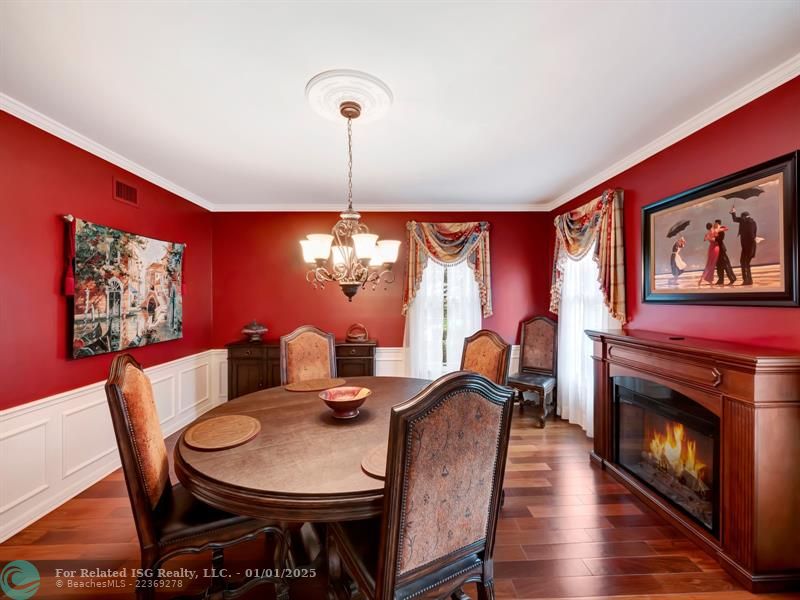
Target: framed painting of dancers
733, 241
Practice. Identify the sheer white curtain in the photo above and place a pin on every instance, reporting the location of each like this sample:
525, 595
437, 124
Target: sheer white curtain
446, 309
581, 308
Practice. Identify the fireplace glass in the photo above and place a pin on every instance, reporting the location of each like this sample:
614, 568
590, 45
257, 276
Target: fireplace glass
670, 443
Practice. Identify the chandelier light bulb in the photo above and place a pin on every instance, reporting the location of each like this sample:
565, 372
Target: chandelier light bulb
322, 244
365, 245
388, 251
309, 251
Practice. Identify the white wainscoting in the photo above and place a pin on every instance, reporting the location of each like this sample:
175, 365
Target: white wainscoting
54, 448
392, 361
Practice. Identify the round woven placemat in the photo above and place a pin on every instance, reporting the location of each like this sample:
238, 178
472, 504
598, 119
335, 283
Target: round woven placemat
374, 463
223, 432
314, 385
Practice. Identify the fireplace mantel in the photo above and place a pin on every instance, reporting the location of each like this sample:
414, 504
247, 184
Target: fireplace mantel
756, 394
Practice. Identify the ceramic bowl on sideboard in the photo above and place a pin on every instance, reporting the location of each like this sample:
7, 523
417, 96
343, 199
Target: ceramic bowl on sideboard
344, 401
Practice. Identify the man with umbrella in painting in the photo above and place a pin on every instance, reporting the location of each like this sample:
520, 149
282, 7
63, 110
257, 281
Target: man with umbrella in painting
748, 229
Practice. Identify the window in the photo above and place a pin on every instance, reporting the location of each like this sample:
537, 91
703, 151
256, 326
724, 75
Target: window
445, 310
581, 308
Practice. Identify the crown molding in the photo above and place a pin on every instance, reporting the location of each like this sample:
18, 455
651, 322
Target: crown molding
779, 75
784, 72
37, 119
376, 208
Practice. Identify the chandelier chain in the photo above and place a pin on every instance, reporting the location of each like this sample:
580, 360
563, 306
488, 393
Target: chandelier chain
349, 164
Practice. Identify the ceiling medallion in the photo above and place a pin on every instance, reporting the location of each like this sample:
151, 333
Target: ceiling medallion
327, 91
350, 255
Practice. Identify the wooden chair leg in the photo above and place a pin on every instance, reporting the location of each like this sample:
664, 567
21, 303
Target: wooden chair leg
217, 587
549, 403
282, 558
522, 400
542, 407
337, 588
486, 590
145, 586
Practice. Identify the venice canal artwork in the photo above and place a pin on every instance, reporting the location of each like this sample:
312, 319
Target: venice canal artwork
127, 290
721, 243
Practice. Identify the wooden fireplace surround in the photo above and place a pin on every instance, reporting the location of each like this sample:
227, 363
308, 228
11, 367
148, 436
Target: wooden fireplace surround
756, 394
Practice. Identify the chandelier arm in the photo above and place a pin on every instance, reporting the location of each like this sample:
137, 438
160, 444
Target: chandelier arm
322, 275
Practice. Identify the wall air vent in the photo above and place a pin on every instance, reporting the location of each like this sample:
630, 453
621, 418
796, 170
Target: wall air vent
125, 192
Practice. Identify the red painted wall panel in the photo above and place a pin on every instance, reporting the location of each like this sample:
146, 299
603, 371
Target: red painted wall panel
259, 273
763, 129
42, 178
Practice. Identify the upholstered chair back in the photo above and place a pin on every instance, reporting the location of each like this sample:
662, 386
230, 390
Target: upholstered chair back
487, 354
538, 346
142, 449
446, 458
307, 353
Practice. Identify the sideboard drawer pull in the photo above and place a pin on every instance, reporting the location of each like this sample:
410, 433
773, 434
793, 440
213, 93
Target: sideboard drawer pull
354, 350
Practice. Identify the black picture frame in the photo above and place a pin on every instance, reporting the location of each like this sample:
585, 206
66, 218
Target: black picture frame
730, 295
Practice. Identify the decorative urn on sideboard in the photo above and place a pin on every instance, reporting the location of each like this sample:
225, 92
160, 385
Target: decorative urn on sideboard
254, 330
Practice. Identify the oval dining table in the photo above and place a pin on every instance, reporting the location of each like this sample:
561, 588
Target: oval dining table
304, 465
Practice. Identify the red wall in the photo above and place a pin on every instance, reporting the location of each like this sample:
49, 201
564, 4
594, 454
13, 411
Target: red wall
763, 129
259, 273
257, 265
42, 178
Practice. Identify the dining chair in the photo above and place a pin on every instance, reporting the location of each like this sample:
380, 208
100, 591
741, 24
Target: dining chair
487, 354
307, 353
445, 463
538, 360
169, 520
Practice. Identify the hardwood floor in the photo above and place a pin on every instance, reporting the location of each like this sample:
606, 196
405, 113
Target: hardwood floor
567, 530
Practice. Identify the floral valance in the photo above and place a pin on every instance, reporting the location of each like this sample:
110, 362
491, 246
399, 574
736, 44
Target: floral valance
576, 232
449, 244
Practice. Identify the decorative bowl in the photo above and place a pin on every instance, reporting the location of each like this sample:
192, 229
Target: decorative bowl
356, 333
254, 330
344, 401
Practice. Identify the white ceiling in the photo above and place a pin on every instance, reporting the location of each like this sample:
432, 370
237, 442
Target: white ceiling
497, 105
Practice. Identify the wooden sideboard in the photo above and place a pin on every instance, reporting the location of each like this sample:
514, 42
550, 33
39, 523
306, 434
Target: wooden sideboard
755, 393
254, 366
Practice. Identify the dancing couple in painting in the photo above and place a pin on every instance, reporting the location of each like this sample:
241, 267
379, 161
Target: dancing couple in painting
733, 240
717, 259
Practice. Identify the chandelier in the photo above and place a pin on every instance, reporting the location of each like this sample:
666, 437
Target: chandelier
349, 255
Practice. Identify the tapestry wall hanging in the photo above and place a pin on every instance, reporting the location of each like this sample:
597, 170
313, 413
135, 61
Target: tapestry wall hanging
730, 241
127, 289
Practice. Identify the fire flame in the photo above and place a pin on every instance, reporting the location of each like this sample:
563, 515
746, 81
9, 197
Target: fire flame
679, 454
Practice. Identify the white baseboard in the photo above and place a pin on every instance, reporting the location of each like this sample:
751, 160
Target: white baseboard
54, 448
